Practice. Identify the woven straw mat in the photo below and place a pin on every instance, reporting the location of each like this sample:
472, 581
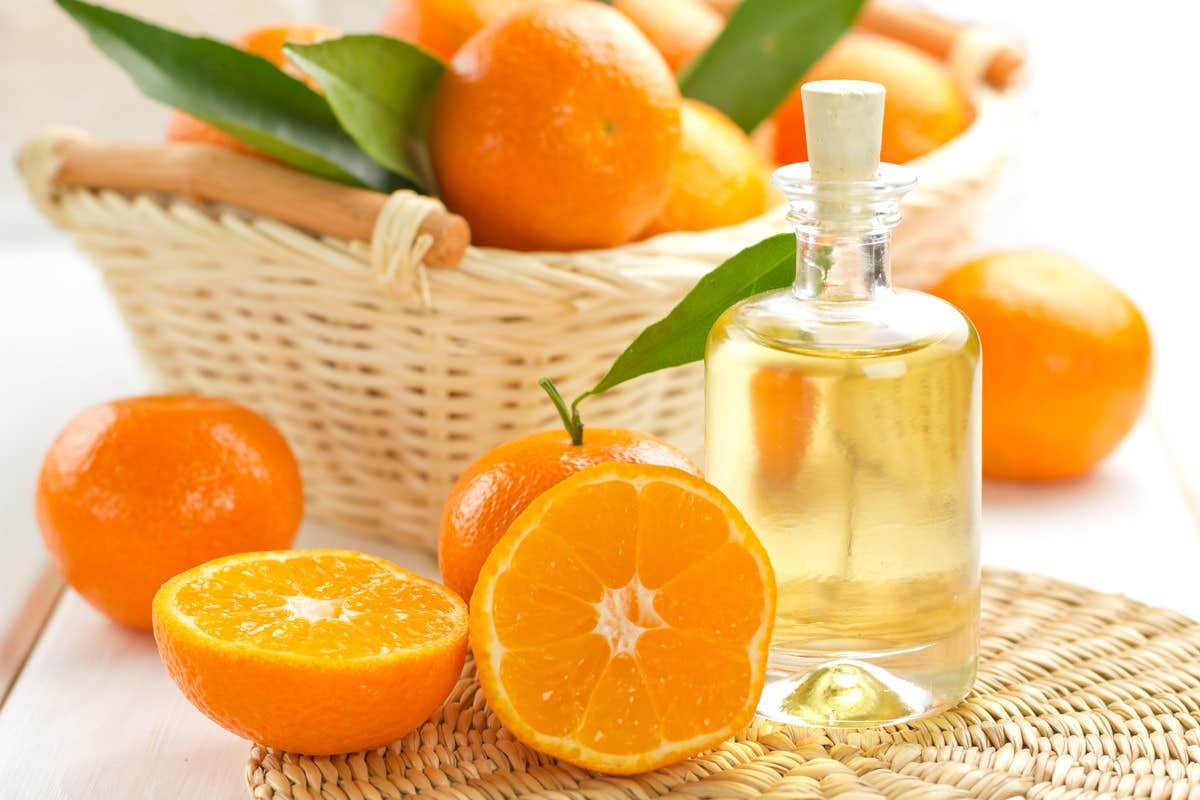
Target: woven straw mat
1079, 695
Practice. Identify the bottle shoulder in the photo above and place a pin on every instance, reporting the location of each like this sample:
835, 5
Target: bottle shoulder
891, 321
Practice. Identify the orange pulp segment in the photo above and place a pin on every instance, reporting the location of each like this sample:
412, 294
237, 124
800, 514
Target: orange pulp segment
622, 622
313, 651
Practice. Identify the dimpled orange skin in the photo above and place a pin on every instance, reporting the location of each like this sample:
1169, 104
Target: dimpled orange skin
555, 129
680, 29
498, 487
922, 109
1067, 361
717, 179
135, 491
266, 41
289, 697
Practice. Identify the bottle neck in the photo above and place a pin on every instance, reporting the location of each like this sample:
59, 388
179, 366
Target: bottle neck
854, 266
843, 230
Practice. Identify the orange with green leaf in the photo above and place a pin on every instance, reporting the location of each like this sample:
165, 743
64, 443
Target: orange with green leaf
266, 42
502, 483
554, 125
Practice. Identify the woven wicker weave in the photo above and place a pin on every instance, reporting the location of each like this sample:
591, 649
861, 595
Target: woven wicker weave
1080, 695
387, 378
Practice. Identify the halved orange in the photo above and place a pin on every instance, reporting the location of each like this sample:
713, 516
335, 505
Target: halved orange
622, 621
313, 651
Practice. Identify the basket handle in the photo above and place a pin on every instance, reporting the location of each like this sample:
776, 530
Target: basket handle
215, 174
994, 58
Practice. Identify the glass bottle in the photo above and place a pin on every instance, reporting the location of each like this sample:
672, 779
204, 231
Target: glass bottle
843, 419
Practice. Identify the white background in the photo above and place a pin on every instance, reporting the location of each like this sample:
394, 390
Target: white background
1108, 174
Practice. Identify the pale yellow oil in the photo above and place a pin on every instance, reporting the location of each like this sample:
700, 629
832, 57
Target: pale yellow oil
854, 455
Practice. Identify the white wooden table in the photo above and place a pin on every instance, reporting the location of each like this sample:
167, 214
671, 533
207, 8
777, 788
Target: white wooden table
87, 710
88, 713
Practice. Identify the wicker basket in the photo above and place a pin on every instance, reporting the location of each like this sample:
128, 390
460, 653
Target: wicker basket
388, 378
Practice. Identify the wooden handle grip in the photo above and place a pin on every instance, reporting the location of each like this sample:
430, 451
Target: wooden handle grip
218, 175
937, 36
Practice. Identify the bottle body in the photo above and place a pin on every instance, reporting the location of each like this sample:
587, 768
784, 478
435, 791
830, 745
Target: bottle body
847, 430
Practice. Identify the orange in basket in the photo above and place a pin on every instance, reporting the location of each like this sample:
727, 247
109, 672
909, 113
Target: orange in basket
441, 26
680, 29
717, 179
555, 129
312, 651
135, 491
268, 42
923, 109
622, 622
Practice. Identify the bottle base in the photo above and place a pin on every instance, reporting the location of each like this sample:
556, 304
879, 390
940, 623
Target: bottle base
859, 690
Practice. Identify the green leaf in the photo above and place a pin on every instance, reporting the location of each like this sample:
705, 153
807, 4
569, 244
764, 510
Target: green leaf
679, 337
381, 90
762, 54
240, 93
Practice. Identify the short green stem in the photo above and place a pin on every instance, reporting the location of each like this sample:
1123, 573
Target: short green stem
569, 414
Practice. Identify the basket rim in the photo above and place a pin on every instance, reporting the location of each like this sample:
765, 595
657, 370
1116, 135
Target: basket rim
997, 114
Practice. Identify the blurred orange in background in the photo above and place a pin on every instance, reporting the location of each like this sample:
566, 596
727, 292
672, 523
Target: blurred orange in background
923, 108
266, 41
1066, 363
443, 26
680, 29
717, 177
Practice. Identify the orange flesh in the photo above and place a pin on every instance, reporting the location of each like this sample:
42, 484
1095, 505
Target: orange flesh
623, 620
322, 606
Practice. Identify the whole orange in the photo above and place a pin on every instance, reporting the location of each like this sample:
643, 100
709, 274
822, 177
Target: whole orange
717, 178
1066, 362
555, 129
923, 109
680, 29
498, 487
135, 491
267, 42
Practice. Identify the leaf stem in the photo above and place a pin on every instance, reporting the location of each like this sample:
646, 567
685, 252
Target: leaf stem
569, 414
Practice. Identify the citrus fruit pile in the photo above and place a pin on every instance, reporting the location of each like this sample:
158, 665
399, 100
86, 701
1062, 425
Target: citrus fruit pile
620, 607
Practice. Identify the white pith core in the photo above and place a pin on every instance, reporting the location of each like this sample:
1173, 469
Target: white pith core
314, 609
624, 614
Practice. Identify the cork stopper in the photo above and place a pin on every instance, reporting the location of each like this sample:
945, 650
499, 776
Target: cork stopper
844, 124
